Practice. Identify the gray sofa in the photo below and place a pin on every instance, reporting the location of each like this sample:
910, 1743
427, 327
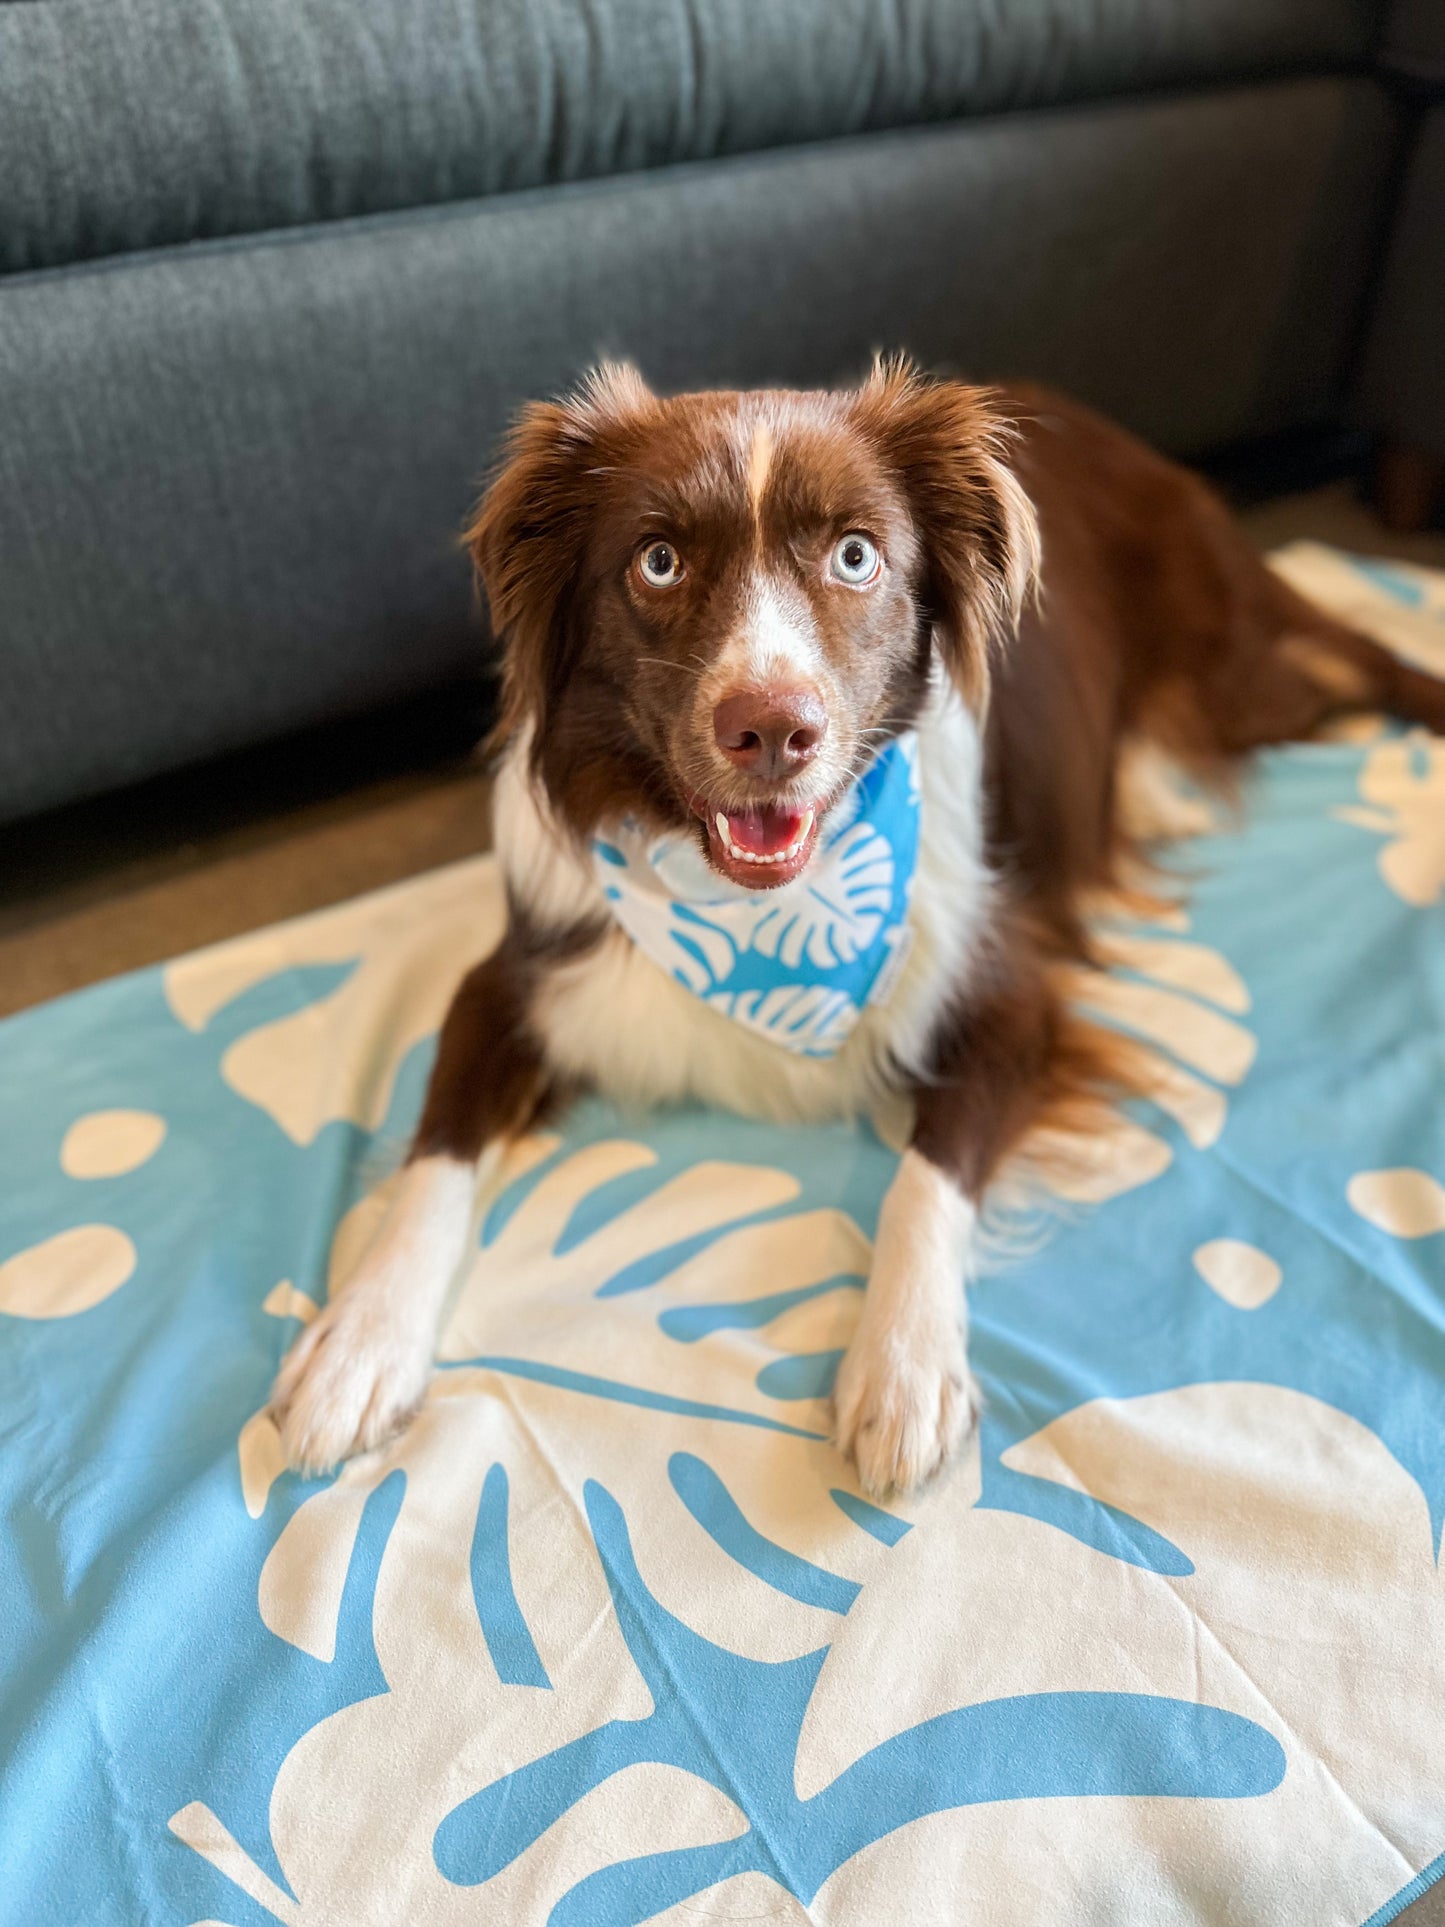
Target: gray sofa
1403, 378
274, 272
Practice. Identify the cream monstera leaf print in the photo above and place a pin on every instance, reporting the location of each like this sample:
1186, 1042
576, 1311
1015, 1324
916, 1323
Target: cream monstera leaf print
610, 1634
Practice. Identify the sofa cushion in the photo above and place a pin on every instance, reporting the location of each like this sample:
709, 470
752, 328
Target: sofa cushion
1403, 381
1414, 43
129, 124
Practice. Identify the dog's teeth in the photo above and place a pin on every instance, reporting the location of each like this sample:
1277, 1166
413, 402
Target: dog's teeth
740, 855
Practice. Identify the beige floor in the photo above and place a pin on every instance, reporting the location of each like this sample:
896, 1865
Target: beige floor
180, 896
176, 895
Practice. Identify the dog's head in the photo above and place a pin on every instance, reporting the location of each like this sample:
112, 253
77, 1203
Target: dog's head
717, 607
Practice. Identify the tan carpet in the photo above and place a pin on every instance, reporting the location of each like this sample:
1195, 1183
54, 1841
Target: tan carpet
184, 894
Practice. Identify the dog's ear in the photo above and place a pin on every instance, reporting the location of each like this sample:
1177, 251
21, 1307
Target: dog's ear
949, 445
529, 532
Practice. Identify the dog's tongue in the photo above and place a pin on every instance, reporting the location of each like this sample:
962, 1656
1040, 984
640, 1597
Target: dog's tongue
764, 832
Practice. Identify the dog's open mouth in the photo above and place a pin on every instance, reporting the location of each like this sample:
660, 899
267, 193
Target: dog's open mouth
759, 848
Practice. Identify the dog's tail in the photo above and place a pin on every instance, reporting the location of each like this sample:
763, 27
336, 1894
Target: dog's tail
1319, 668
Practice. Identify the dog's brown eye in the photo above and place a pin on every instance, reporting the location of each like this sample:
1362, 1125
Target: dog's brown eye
856, 560
659, 565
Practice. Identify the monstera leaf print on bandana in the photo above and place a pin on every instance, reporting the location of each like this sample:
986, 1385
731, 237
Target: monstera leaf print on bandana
798, 965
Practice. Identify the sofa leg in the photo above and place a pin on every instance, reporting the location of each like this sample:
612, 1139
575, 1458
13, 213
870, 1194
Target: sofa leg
1408, 484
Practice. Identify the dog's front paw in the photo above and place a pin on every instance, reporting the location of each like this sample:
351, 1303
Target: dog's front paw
904, 1401
350, 1382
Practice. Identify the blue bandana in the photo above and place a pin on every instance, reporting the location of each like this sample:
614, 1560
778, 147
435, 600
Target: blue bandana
798, 964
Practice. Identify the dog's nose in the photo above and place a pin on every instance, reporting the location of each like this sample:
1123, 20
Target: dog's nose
770, 732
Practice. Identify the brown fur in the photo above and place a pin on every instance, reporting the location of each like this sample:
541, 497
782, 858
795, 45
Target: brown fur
490, 1080
1154, 619
617, 688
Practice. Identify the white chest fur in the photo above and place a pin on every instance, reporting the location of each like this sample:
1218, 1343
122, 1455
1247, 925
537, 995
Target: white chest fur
616, 1020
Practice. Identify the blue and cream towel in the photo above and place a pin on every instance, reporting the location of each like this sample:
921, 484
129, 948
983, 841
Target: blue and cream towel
799, 964
611, 1635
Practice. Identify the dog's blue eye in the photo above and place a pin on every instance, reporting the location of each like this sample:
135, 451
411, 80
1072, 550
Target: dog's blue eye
659, 565
856, 560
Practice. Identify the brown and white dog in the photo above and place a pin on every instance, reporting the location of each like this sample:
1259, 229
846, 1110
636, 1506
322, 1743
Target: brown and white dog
715, 608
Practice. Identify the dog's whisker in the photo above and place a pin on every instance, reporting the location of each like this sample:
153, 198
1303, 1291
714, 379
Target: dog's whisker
663, 662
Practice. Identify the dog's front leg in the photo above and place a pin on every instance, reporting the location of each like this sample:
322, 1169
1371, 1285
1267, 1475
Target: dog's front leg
356, 1375
905, 1398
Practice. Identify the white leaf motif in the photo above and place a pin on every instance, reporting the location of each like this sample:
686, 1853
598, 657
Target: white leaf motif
691, 947
1403, 784
840, 912
825, 1017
